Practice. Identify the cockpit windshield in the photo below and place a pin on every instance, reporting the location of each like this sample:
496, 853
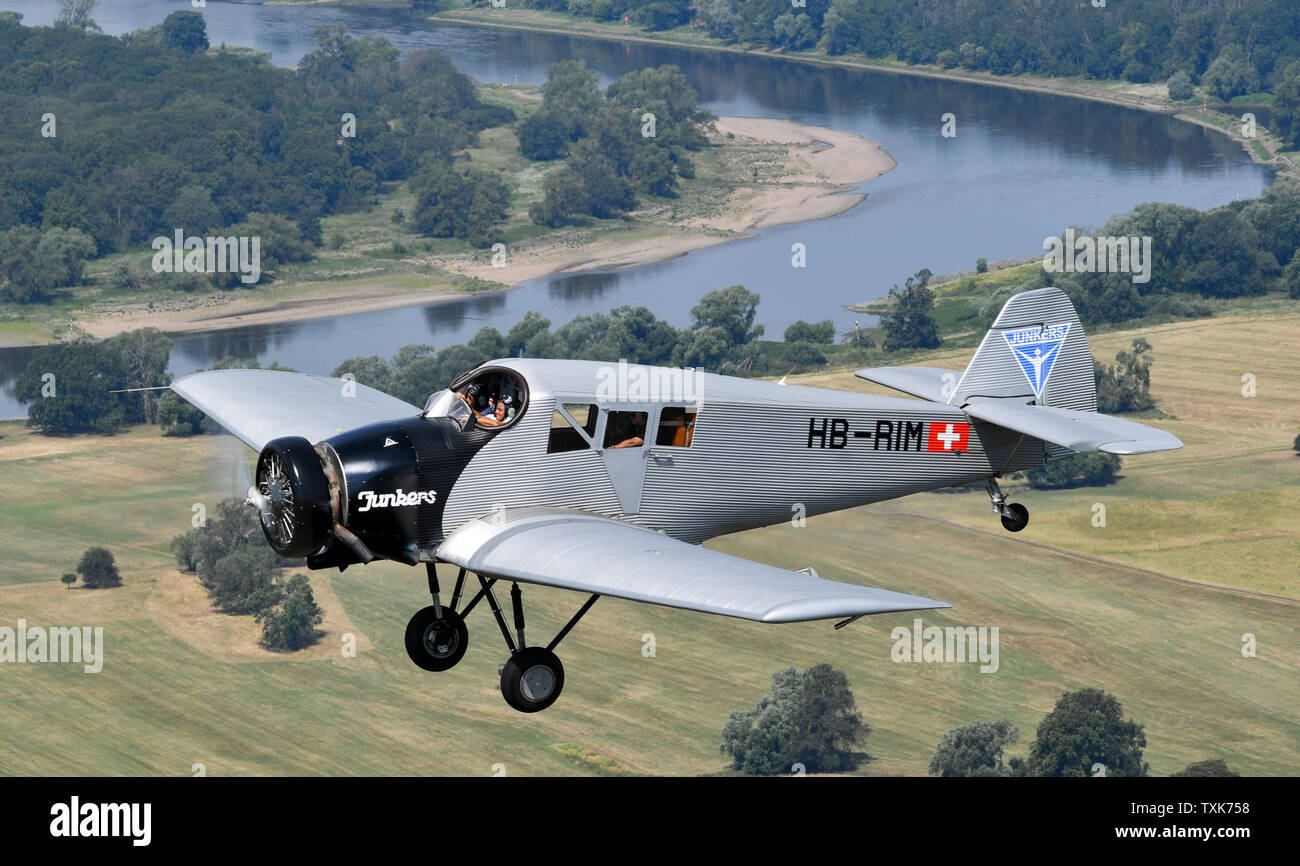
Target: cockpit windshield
487, 397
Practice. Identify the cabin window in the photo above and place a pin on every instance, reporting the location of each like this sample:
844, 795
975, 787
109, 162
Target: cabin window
625, 429
565, 436
676, 427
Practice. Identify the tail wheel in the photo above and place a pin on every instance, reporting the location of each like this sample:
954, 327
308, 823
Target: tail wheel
293, 497
532, 679
1015, 518
436, 643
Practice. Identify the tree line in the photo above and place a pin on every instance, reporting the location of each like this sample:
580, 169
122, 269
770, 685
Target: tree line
1138, 40
809, 723
131, 138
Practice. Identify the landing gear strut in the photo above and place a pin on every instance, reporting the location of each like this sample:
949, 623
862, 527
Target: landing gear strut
533, 677
436, 637
1015, 516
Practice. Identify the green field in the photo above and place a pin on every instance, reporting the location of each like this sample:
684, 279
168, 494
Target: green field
1199, 548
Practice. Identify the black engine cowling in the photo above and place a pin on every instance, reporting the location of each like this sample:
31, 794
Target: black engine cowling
294, 497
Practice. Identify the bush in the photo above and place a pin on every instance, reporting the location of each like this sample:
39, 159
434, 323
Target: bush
1213, 767
1094, 469
292, 626
822, 333
981, 265
804, 355
98, 570
974, 749
1180, 85
809, 718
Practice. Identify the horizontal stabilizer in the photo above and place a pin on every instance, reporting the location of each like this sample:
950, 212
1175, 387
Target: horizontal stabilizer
1073, 429
929, 383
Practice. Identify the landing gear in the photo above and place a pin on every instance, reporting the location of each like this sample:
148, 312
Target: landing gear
436, 637
532, 679
1015, 516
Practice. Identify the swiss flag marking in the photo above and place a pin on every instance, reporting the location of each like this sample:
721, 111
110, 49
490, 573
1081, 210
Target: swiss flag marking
945, 436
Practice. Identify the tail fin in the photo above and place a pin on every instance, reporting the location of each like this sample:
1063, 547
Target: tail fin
1036, 349
1032, 374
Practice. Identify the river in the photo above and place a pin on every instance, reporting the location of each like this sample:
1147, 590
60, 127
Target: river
1022, 166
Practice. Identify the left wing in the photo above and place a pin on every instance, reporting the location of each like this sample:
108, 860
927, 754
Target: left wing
261, 405
588, 553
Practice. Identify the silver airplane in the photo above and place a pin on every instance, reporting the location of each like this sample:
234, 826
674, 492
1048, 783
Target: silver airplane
604, 478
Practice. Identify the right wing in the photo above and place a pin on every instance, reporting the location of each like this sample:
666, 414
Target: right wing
588, 553
261, 405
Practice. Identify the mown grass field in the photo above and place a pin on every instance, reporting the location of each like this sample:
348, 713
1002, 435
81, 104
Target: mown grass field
1199, 548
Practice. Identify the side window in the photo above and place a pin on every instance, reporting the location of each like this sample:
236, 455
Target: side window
564, 436
625, 430
676, 427
585, 414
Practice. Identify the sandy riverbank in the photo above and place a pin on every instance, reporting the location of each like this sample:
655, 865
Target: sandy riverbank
813, 181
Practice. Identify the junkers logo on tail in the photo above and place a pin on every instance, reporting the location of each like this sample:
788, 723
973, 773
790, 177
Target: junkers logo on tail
397, 499
1036, 351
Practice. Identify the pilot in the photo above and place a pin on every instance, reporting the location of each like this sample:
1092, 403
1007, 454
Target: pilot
627, 432
494, 420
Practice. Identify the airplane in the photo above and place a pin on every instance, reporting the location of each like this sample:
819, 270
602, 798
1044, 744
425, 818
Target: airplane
605, 478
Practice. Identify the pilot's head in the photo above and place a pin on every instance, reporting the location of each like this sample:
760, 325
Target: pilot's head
501, 411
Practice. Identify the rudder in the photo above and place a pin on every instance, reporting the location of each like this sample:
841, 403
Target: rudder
1035, 349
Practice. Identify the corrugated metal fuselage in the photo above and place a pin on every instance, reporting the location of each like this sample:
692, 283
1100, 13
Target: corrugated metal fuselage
749, 464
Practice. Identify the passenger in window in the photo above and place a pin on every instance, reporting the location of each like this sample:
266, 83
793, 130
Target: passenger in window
626, 430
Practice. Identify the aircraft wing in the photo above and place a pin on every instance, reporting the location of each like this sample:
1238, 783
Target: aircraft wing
589, 553
261, 405
1078, 431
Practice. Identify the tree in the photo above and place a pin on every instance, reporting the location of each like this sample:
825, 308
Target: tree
186, 31
1286, 104
98, 570
822, 333
1180, 85
974, 749
76, 14
809, 718
732, 311
34, 262
293, 625
68, 579
1084, 729
981, 265
1230, 75
242, 581
804, 355
1295, 446
66, 388
145, 353
461, 205
1126, 385
1088, 469
1211, 767
909, 324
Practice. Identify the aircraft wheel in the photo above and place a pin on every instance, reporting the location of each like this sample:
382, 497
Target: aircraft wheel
531, 679
1016, 518
436, 644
